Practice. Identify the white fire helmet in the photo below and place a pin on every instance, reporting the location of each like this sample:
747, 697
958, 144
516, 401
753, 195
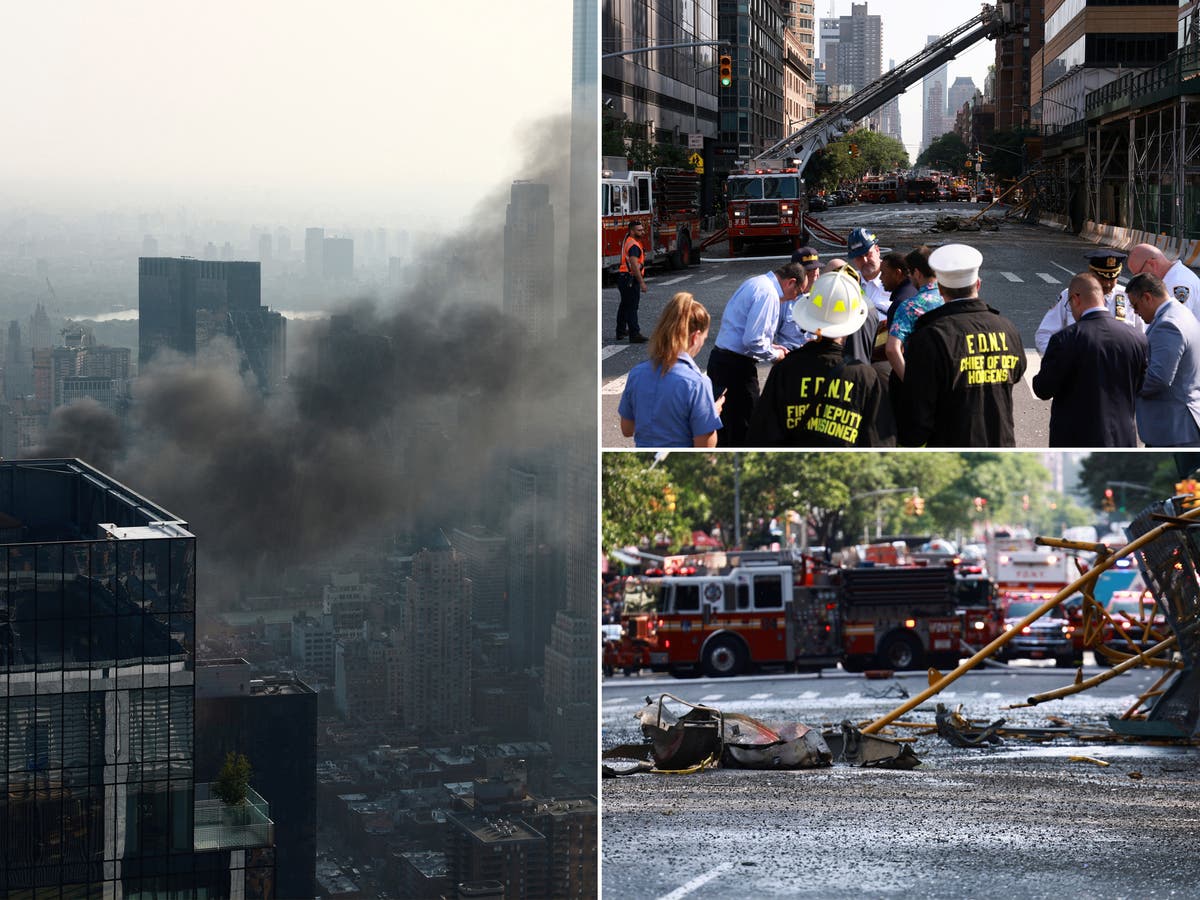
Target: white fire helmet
835, 307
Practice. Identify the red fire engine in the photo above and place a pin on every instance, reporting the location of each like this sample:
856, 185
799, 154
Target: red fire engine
666, 201
766, 205
772, 609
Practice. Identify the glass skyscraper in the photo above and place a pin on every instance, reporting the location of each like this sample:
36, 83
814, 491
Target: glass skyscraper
97, 628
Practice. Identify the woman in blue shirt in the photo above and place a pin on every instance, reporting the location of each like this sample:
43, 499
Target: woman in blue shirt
668, 401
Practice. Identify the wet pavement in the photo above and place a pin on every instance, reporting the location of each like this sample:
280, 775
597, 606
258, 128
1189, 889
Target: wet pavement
1017, 820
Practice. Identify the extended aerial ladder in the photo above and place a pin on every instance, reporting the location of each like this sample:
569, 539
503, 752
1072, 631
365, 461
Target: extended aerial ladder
991, 22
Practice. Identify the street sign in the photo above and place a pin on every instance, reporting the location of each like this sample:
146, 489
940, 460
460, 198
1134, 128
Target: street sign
696, 161
695, 141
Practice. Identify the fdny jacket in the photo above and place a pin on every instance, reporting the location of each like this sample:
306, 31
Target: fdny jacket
961, 363
815, 398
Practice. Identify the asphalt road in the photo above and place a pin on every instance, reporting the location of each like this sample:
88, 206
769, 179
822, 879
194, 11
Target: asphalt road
1025, 267
1018, 820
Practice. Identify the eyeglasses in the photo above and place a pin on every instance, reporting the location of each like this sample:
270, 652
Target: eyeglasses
1141, 268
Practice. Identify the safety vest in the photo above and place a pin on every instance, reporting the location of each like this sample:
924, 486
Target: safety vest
629, 242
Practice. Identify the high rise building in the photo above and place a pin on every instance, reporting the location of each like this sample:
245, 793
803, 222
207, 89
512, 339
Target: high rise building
314, 252
660, 97
264, 247
961, 92
1014, 64
534, 548
98, 793
484, 561
435, 629
830, 32
272, 720
933, 101
859, 47
40, 337
529, 269
18, 365
337, 258
889, 115
752, 115
183, 304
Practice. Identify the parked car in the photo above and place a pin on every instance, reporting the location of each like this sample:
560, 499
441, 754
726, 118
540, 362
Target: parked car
817, 203
962, 192
986, 195
943, 195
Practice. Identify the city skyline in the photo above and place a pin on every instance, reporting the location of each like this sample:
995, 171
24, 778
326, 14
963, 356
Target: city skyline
907, 25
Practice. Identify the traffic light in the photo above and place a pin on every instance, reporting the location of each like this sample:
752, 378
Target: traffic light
919, 505
670, 497
1190, 489
910, 506
1109, 505
854, 151
969, 163
725, 68
980, 503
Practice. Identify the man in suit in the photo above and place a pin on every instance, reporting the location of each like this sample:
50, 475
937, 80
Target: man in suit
1168, 405
1092, 370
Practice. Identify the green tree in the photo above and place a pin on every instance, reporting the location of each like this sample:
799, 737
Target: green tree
1004, 152
626, 140
878, 153
1103, 470
233, 780
948, 152
636, 504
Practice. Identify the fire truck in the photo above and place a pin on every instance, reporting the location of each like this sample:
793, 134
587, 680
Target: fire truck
666, 201
765, 205
784, 609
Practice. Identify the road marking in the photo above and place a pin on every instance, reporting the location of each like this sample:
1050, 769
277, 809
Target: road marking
711, 697
1013, 277
1064, 268
615, 700
673, 280
710, 280
990, 695
809, 695
760, 696
696, 883
612, 350
1048, 278
614, 387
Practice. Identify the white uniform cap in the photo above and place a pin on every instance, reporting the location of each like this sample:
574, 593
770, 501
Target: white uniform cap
956, 265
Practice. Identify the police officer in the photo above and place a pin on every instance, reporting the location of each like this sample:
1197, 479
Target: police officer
1182, 283
961, 362
790, 335
631, 281
816, 397
1106, 266
746, 338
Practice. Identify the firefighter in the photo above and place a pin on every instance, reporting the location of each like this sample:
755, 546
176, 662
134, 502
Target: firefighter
816, 397
961, 363
631, 281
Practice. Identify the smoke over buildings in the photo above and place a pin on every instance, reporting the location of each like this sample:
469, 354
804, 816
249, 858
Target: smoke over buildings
396, 406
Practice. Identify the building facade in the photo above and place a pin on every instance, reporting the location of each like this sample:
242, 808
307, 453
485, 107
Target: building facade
98, 789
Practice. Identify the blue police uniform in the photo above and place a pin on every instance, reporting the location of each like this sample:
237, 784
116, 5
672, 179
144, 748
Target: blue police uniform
669, 410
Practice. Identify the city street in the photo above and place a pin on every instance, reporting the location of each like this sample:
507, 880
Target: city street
1025, 267
1020, 819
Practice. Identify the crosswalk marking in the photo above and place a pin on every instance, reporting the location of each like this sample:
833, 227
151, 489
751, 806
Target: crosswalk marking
1048, 278
760, 696
616, 386
612, 350
616, 700
711, 697
1013, 277
673, 280
710, 280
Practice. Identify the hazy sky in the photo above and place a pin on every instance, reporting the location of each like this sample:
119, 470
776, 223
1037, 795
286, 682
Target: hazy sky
907, 25
370, 108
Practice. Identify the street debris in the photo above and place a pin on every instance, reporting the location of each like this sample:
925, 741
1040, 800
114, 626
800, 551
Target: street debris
705, 737
1089, 759
960, 223
959, 732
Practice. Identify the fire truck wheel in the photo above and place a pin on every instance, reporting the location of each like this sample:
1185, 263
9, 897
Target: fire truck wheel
854, 664
608, 671
724, 657
1065, 662
681, 258
901, 651
736, 245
